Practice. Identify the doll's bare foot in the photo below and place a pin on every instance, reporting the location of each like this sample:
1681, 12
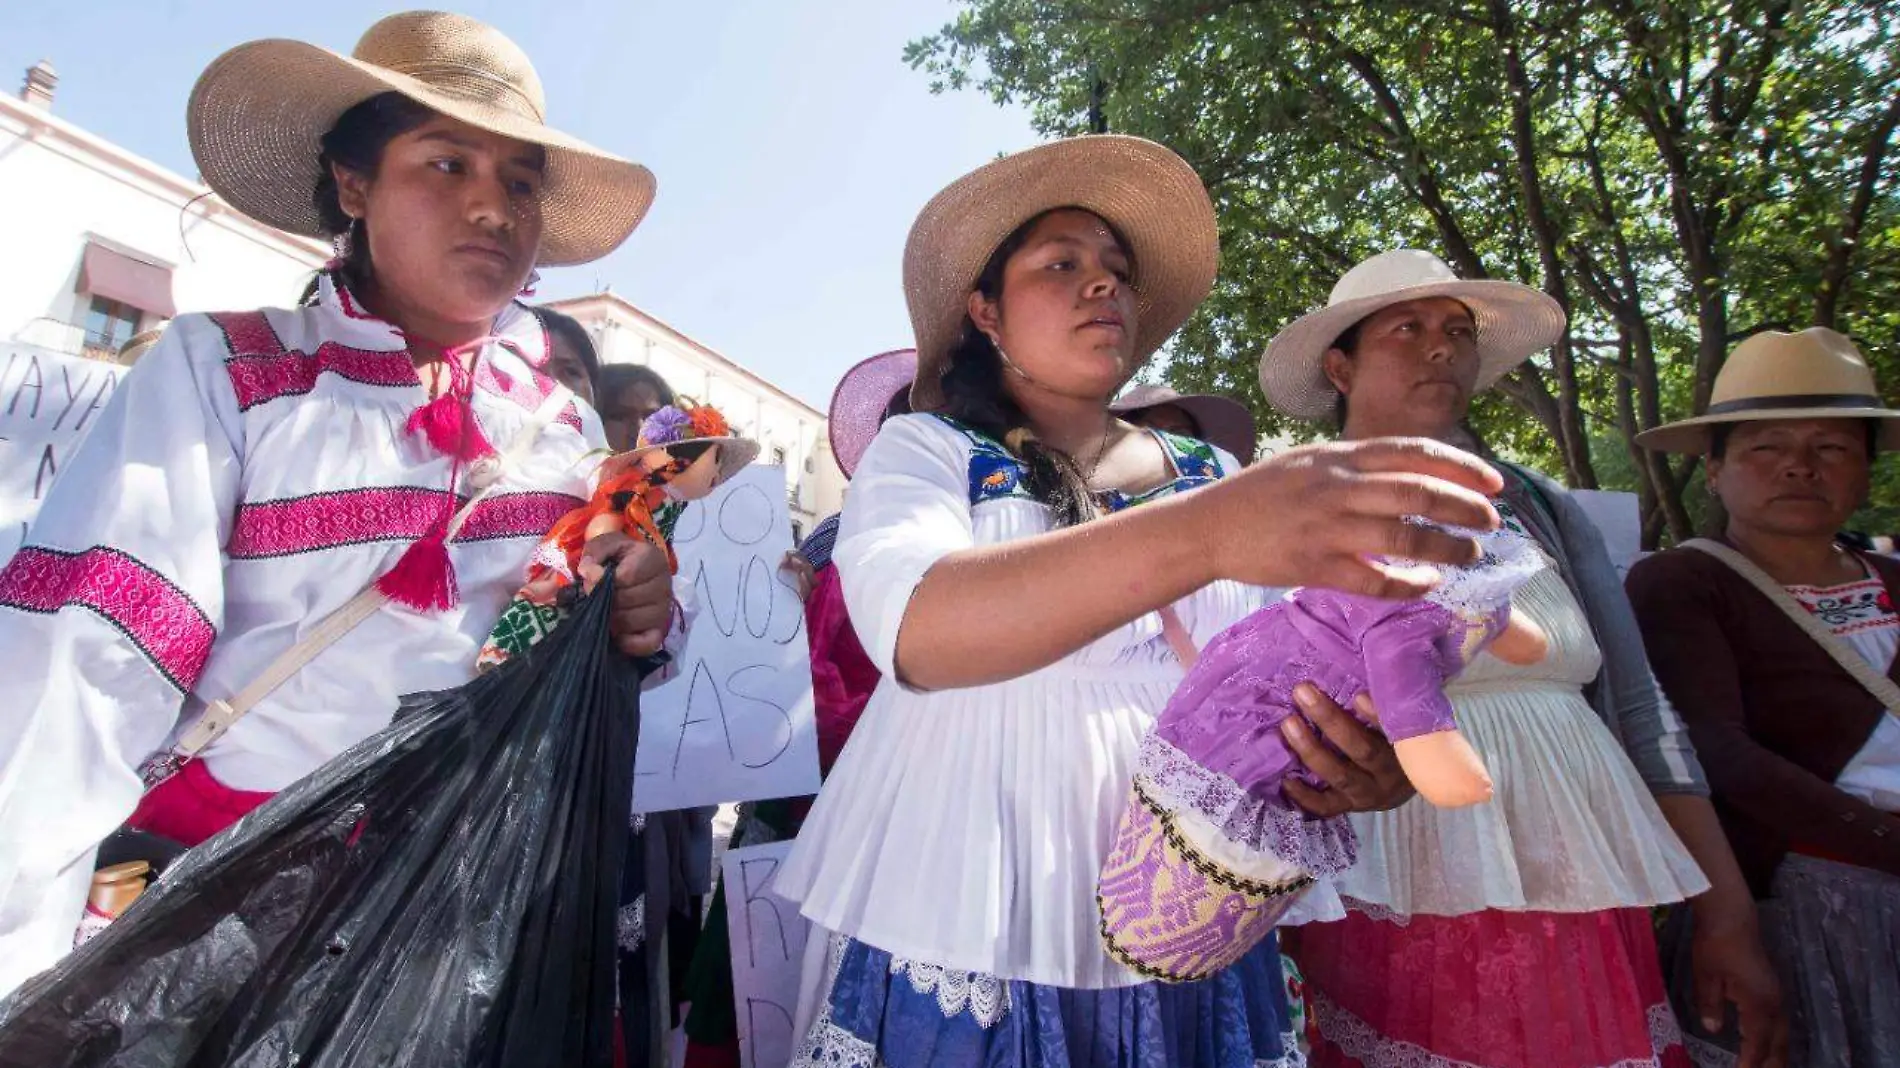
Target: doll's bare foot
1444, 767
1522, 642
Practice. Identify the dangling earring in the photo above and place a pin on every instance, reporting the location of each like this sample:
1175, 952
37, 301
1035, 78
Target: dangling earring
1007, 362
340, 246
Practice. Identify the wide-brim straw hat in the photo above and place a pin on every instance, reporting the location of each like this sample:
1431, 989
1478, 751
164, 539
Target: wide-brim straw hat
1814, 374
734, 455
1223, 422
860, 401
258, 112
138, 346
1514, 322
1149, 195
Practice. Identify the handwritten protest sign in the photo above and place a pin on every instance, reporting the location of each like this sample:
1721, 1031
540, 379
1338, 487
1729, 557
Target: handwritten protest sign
1619, 517
47, 403
736, 723
768, 953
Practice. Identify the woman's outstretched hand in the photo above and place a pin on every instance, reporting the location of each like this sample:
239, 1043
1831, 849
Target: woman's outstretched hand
1320, 515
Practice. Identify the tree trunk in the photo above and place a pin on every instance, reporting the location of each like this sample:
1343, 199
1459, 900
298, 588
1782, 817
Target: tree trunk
1573, 436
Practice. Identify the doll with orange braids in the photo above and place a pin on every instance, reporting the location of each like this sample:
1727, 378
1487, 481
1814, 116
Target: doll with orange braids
684, 452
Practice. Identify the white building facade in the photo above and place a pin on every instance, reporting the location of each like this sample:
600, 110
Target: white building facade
790, 432
104, 244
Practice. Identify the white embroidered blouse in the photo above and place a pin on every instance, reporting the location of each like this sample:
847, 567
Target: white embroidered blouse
251, 475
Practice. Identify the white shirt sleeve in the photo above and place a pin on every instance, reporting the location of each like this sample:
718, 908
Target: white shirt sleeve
909, 507
107, 615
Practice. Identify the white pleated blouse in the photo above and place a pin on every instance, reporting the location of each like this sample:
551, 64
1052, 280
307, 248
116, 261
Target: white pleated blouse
965, 828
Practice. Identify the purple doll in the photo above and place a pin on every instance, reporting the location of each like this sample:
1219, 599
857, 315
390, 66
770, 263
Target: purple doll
1210, 852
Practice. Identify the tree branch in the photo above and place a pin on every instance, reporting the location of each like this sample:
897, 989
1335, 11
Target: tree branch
1840, 257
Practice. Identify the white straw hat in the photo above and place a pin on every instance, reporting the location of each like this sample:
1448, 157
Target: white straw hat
1513, 321
1815, 374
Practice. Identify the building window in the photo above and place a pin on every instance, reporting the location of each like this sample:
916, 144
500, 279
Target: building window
798, 534
110, 324
778, 456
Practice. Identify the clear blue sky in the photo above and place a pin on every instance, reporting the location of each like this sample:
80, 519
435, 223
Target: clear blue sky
793, 145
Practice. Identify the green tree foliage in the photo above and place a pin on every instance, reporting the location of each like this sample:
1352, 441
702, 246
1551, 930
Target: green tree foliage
1679, 175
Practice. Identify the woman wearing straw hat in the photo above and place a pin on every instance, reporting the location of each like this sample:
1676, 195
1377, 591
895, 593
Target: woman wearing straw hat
1028, 572
289, 518
842, 681
1203, 417
1512, 934
1777, 643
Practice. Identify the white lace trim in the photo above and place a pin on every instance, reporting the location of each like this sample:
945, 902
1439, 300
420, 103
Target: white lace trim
1358, 1040
827, 1045
1664, 1032
1316, 846
985, 997
631, 923
1294, 1057
1510, 560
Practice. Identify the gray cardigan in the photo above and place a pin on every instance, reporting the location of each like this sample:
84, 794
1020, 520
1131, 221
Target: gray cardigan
1625, 693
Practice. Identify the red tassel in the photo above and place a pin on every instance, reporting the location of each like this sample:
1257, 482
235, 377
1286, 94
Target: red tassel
423, 579
451, 428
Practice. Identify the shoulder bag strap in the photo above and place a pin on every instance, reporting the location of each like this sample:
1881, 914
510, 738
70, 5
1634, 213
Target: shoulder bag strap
219, 716
1853, 663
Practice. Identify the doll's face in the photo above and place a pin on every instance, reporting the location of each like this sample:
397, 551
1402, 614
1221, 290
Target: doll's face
699, 477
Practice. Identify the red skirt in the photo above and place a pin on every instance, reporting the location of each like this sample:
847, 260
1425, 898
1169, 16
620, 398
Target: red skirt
1491, 989
193, 805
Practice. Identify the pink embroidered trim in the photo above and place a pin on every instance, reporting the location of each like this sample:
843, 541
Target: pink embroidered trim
294, 525
249, 334
516, 515
528, 395
269, 529
259, 379
159, 618
348, 303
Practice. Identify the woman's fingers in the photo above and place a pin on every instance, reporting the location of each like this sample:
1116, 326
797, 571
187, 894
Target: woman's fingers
1426, 457
643, 590
1389, 537
1397, 494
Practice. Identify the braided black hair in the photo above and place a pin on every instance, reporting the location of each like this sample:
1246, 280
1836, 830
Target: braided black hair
974, 395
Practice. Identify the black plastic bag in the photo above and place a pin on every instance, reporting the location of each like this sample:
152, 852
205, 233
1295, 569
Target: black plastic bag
442, 894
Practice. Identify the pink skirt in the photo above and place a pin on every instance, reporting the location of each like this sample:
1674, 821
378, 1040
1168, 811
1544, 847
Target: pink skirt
1491, 990
193, 805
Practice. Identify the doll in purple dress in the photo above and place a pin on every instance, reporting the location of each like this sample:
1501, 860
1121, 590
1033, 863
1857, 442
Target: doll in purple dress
1210, 853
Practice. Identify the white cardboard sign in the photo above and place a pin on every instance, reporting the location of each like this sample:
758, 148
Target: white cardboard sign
1619, 517
768, 954
736, 723
48, 401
